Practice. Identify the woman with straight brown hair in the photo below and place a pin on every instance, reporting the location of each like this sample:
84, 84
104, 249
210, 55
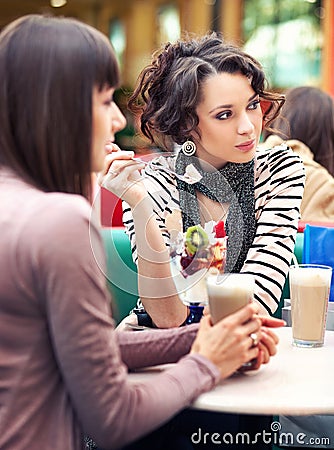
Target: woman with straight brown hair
63, 368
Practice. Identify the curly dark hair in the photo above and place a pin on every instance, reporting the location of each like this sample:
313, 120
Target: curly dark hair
169, 89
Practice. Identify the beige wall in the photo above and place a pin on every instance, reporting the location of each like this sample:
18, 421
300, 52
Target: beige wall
141, 28
231, 20
141, 31
195, 15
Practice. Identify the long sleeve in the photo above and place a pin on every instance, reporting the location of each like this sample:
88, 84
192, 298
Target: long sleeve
279, 186
161, 187
69, 264
166, 346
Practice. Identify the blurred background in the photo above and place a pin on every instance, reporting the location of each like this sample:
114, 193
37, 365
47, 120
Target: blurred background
293, 39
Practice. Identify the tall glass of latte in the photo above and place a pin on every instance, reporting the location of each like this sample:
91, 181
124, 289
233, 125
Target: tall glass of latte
229, 292
309, 293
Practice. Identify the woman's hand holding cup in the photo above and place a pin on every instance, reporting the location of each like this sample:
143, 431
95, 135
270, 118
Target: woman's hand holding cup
228, 343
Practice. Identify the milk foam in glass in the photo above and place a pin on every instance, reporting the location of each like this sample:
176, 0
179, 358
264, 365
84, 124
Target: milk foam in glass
309, 292
229, 292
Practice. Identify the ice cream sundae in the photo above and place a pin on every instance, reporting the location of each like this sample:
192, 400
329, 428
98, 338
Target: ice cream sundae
195, 253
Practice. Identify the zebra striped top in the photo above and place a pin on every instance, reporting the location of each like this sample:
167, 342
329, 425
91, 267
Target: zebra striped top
278, 189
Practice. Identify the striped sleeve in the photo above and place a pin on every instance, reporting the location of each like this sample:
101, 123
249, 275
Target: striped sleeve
161, 187
279, 186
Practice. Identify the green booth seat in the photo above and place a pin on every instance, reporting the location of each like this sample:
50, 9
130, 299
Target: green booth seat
121, 272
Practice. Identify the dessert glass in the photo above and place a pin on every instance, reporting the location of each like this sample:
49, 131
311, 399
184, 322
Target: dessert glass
190, 268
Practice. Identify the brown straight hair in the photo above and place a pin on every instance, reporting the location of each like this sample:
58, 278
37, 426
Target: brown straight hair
308, 116
48, 69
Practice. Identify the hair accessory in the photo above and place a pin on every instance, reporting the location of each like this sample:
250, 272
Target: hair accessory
188, 148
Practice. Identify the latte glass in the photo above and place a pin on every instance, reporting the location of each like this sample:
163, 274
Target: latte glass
309, 294
228, 292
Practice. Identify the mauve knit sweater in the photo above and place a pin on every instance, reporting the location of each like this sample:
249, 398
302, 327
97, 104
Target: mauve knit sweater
63, 367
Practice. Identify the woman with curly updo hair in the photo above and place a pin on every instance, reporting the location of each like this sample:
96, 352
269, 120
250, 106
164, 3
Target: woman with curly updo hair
175, 78
207, 101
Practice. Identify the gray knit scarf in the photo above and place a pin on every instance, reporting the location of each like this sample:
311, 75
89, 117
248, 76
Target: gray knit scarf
233, 184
